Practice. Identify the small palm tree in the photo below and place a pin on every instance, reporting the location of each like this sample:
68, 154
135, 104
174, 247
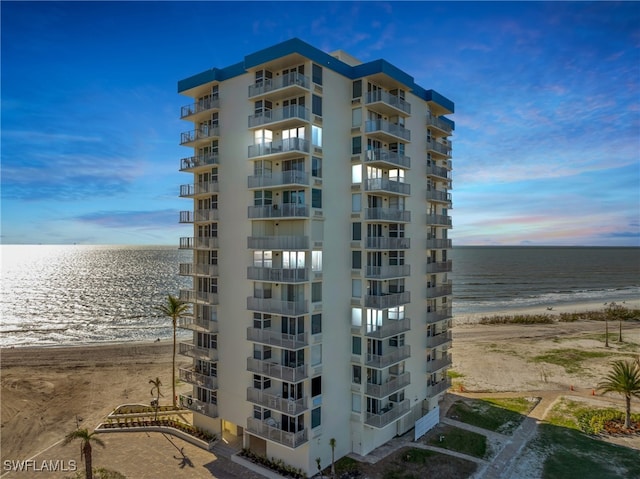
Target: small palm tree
86, 439
156, 387
624, 378
332, 443
175, 309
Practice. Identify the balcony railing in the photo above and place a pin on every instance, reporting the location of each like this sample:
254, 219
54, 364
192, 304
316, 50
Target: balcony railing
387, 214
438, 220
192, 376
272, 433
440, 267
438, 171
390, 328
277, 371
388, 415
188, 191
198, 324
276, 306
199, 106
435, 389
436, 365
296, 145
394, 355
196, 405
442, 290
192, 296
387, 128
389, 300
437, 195
380, 155
278, 275
276, 338
197, 161
381, 96
439, 339
437, 147
201, 133
272, 399
278, 242
196, 352
383, 242
383, 184
279, 179
291, 112
190, 269
392, 385
381, 272
292, 79
440, 315
439, 123
198, 243
279, 211
198, 216
438, 243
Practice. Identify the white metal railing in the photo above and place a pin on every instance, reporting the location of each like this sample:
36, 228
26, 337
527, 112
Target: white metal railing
372, 126
438, 243
198, 324
441, 290
276, 338
193, 351
388, 300
272, 399
439, 315
199, 106
436, 364
198, 243
191, 269
202, 133
390, 328
277, 371
386, 97
384, 184
279, 211
387, 214
439, 220
286, 113
434, 389
437, 195
439, 339
196, 405
199, 188
281, 275
440, 267
278, 179
388, 414
279, 146
385, 360
197, 161
273, 433
392, 385
386, 156
383, 242
392, 271
439, 123
443, 149
192, 376
277, 306
267, 85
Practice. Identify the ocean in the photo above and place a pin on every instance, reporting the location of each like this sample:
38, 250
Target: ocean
65, 295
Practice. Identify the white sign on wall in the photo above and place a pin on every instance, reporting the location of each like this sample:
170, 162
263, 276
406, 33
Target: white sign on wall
426, 423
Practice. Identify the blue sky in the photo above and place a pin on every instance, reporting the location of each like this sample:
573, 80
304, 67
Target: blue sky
547, 139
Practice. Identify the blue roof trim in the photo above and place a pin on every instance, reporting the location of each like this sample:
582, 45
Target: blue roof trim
295, 45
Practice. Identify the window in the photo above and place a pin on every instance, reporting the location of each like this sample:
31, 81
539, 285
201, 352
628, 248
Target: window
396, 341
294, 197
316, 261
356, 202
316, 74
262, 198
316, 136
316, 198
396, 313
396, 258
356, 403
261, 75
356, 317
356, 117
356, 174
356, 374
262, 106
293, 259
316, 415
316, 167
316, 324
316, 292
263, 259
356, 288
261, 321
396, 174
356, 345
316, 105
316, 354
261, 413
356, 231
262, 136
356, 260
357, 88
316, 386
261, 382
356, 145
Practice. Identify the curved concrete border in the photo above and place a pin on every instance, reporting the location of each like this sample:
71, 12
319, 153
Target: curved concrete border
207, 446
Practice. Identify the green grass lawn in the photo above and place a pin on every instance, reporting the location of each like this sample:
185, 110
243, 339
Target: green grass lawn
486, 415
570, 359
460, 440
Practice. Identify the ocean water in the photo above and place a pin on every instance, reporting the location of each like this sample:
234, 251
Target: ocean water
63, 295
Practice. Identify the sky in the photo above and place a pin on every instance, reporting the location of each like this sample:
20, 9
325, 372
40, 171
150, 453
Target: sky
546, 149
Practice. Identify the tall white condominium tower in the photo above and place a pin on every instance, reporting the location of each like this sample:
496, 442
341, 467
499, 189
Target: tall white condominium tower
321, 300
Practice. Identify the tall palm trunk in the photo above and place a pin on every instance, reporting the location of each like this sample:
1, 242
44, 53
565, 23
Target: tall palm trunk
627, 416
173, 368
88, 467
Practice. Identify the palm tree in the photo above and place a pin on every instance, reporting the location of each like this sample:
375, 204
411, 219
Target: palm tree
156, 386
624, 378
175, 309
332, 443
86, 439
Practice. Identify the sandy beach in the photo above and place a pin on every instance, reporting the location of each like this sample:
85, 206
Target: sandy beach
45, 391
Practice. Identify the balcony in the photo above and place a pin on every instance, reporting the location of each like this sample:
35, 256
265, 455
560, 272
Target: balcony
390, 328
440, 387
440, 315
285, 210
388, 214
190, 269
439, 339
382, 242
438, 172
387, 415
190, 138
440, 267
203, 188
384, 272
272, 399
197, 352
388, 104
436, 365
442, 290
439, 220
198, 243
277, 371
201, 297
290, 84
283, 117
275, 434
196, 405
278, 242
438, 243
395, 355
196, 378
388, 186
382, 157
389, 300
198, 324
445, 126
276, 306
279, 179
188, 164
439, 149
200, 106
439, 196
289, 147
198, 216
278, 339
278, 275
392, 385
387, 131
